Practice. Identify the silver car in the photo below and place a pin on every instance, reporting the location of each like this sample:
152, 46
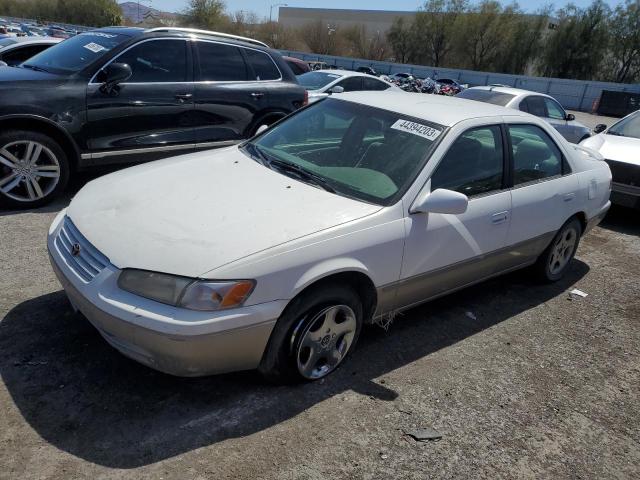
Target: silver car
535, 103
15, 50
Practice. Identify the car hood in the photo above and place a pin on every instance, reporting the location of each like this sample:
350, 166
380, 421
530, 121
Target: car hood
18, 74
613, 147
191, 214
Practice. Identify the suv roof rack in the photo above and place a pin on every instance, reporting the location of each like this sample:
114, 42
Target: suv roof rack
208, 32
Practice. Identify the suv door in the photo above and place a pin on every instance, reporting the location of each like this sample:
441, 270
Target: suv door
149, 115
444, 252
228, 93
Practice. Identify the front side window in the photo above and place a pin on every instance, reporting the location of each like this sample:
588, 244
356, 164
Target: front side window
156, 61
534, 105
362, 152
262, 65
351, 84
554, 110
18, 55
535, 155
474, 164
221, 63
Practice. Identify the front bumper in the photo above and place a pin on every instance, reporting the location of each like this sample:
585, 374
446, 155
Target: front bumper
170, 339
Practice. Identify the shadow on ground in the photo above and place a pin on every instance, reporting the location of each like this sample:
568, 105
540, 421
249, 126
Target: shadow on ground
86, 399
622, 220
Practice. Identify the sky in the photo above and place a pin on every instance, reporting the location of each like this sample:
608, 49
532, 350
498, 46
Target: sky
261, 7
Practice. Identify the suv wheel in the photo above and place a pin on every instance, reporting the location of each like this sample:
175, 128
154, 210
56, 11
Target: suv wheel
33, 169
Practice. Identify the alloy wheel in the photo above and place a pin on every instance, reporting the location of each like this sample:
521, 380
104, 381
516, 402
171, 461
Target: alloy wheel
562, 250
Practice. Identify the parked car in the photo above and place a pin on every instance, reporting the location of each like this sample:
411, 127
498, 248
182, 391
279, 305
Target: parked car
273, 254
448, 86
297, 66
123, 95
14, 51
367, 70
322, 83
538, 104
619, 144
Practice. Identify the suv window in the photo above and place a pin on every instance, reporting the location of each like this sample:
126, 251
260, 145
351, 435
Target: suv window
262, 65
158, 61
474, 163
222, 63
351, 84
554, 110
535, 155
373, 84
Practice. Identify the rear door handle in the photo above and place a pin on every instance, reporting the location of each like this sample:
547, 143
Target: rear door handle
257, 94
183, 97
499, 217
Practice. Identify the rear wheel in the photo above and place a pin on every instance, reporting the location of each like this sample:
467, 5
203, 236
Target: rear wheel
553, 263
33, 169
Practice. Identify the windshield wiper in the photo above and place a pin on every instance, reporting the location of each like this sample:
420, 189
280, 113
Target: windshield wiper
34, 67
613, 132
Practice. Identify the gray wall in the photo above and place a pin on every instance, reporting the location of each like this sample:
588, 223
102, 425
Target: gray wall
572, 94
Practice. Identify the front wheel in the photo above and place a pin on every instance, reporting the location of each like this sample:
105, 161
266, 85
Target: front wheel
314, 335
33, 169
553, 263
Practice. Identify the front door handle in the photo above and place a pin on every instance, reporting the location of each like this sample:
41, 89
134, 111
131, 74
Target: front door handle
499, 217
183, 97
257, 95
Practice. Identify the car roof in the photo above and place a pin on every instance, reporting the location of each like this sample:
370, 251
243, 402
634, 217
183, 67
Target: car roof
129, 31
510, 90
345, 73
440, 109
36, 40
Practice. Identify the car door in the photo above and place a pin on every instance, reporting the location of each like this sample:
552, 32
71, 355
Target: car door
228, 93
149, 115
543, 194
443, 251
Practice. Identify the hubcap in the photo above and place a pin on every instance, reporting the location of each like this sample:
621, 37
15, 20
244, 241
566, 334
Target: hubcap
562, 250
326, 341
29, 171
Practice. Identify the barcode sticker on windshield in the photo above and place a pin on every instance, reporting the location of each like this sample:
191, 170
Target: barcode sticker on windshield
424, 131
94, 47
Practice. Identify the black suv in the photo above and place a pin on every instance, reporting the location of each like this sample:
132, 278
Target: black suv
127, 95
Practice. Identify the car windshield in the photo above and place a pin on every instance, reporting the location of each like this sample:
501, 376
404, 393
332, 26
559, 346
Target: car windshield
627, 127
317, 80
76, 53
351, 149
486, 96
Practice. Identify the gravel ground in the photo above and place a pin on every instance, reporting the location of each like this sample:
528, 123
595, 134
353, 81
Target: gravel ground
531, 384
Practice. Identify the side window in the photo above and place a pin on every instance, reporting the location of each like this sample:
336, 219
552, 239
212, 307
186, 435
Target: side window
351, 84
222, 63
373, 84
19, 55
554, 110
535, 155
535, 106
157, 61
524, 107
263, 66
474, 163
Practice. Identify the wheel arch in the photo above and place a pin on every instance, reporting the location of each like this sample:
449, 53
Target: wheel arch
45, 126
270, 116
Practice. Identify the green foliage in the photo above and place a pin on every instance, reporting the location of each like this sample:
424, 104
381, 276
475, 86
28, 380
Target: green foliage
207, 14
97, 13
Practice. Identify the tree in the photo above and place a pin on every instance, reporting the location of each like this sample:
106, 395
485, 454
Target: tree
207, 14
481, 35
434, 30
623, 61
320, 37
401, 39
364, 44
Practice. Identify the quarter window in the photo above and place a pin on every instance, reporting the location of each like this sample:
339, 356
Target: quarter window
535, 155
474, 163
263, 66
373, 84
157, 61
223, 63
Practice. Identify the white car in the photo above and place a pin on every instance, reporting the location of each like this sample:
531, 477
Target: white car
15, 50
322, 83
538, 104
274, 253
620, 146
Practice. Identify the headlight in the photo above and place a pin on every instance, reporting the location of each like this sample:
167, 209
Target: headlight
191, 293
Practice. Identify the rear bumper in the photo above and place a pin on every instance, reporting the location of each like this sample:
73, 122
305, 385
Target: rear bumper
625, 195
597, 218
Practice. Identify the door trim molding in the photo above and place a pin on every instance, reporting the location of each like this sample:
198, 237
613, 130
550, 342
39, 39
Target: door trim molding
162, 148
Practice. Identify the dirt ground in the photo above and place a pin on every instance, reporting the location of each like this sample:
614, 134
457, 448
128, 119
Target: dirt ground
531, 383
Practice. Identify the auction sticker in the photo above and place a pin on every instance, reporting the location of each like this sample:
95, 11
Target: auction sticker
424, 131
94, 47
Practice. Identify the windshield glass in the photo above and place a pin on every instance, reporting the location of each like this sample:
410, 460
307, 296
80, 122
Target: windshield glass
627, 127
486, 96
76, 53
358, 151
317, 80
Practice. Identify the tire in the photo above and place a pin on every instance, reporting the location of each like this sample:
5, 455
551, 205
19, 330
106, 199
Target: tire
299, 349
33, 169
554, 261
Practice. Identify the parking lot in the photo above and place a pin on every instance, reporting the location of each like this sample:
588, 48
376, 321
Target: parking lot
522, 380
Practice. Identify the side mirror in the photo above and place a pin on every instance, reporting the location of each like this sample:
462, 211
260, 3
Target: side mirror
113, 74
336, 89
570, 117
440, 201
601, 127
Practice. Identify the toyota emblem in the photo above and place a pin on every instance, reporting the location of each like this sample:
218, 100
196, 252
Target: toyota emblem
75, 249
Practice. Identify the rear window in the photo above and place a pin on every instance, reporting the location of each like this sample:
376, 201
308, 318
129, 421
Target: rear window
263, 66
223, 63
486, 96
317, 80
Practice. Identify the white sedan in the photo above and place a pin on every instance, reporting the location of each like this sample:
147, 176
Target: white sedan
322, 83
620, 146
273, 254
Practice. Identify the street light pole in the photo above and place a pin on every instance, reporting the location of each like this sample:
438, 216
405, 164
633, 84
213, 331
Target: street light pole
275, 5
